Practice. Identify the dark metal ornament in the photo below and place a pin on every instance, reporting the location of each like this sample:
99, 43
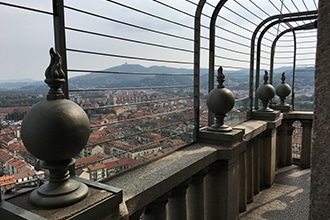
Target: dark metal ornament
283, 90
265, 93
54, 131
220, 101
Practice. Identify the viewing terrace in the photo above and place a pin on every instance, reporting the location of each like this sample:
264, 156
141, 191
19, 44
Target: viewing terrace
205, 136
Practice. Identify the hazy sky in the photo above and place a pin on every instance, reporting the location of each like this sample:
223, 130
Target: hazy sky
27, 36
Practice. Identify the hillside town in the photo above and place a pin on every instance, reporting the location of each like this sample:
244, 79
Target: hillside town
127, 128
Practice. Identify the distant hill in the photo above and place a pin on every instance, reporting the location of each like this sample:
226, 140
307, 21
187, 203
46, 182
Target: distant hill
134, 75
24, 85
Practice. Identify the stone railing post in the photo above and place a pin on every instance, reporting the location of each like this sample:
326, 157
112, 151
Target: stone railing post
195, 196
267, 155
249, 172
176, 206
284, 145
242, 182
221, 190
305, 157
222, 181
279, 146
288, 139
157, 209
257, 163
265, 93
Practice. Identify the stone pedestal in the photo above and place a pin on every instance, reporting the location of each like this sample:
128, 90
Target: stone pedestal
268, 148
282, 108
256, 166
176, 207
305, 156
195, 196
102, 201
242, 183
249, 173
157, 209
222, 182
222, 190
284, 144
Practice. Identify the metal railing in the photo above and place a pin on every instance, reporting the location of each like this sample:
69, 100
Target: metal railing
151, 119
167, 103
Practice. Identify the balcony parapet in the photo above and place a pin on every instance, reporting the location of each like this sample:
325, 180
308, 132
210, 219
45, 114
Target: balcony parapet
298, 115
226, 169
147, 183
144, 184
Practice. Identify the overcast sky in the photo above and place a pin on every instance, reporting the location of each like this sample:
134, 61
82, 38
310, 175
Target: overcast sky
27, 36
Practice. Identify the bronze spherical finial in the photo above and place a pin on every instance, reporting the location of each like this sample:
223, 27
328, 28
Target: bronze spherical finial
220, 101
54, 131
265, 93
283, 90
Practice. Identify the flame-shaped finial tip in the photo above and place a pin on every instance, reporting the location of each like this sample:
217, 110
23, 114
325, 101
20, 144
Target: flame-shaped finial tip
220, 78
55, 76
266, 77
54, 70
283, 77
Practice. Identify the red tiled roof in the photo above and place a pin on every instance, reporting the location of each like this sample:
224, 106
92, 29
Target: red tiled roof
7, 180
17, 163
14, 109
120, 145
17, 146
24, 172
120, 163
87, 160
96, 166
5, 155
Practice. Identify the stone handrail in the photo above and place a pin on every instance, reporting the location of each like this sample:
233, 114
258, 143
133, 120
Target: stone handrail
156, 180
214, 178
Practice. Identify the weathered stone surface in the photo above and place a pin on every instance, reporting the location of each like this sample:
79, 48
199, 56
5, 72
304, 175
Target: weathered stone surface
320, 177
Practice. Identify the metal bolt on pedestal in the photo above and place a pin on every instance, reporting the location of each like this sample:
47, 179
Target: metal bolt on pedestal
54, 131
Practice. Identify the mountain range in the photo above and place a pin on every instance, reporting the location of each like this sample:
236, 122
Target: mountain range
134, 75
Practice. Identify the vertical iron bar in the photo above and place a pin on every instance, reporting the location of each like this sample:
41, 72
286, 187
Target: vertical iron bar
197, 35
59, 37
252, 48
298, 18
294, 67
302, 27
212, 53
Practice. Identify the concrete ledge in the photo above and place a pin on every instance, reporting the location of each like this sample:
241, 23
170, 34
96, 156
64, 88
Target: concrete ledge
144, 184
225, 138
99, 203
297, 115
252, 128
264, 115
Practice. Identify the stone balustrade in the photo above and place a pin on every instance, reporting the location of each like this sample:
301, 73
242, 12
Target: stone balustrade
214, 178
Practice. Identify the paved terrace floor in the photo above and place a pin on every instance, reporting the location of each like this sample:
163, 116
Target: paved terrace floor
287, 199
